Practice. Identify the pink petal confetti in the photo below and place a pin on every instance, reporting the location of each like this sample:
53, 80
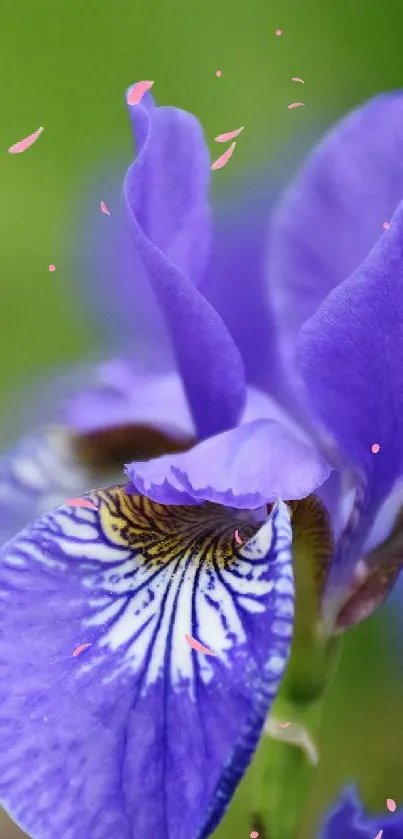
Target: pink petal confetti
24, 144
104, 208
196, 645
283, 724
297, 79
391, 804
279, 32
375, 448
80, 502
238, 538
224, 158
386, 225
222, 138
52, 267
80, 649
296, 105
137, 92
254, 834
218, 73
379, 835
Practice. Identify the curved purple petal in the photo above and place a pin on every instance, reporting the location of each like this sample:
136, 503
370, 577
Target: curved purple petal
350, 354
348, 820
165, 193
332, 215
93, 685
245, 468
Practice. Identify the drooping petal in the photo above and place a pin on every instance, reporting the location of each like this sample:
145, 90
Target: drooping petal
350, 356
244, 468
375, 576
348, 820
90, 735
37, 474
332, 215
165, 194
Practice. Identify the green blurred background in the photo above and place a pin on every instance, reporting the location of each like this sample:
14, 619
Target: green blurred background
65, 66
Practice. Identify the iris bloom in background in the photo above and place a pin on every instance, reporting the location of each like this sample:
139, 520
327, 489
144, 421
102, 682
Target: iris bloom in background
139, 734
348, 820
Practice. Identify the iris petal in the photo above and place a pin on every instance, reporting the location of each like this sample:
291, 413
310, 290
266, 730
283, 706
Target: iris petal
38, 473
348, 820
350, 354
91, 744
244, 468
332, 214
165, 194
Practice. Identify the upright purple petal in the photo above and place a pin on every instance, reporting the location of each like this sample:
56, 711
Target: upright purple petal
165, 193
350, 354
332, 215
245, 468
93, 685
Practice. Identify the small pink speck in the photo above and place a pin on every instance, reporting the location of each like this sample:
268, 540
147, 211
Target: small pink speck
386, 225
80, 649
224, 158
375, 448
295, 105
24, 144
254, 834
52, 267
379, 835
218, 73
137, 92
80, 502
279, 32
196, 645
238, 538
391, 804
229, 135
104, 208
297, 79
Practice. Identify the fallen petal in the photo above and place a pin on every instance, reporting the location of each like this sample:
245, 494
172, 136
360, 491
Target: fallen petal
391, 804
17, 148
137, 92
80, 502
221, 161
297, 79
237, 538
222, 138
104, 208
196, 645
296, 105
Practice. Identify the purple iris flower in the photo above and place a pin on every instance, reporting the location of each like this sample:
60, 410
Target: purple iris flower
139, 734
348, 820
